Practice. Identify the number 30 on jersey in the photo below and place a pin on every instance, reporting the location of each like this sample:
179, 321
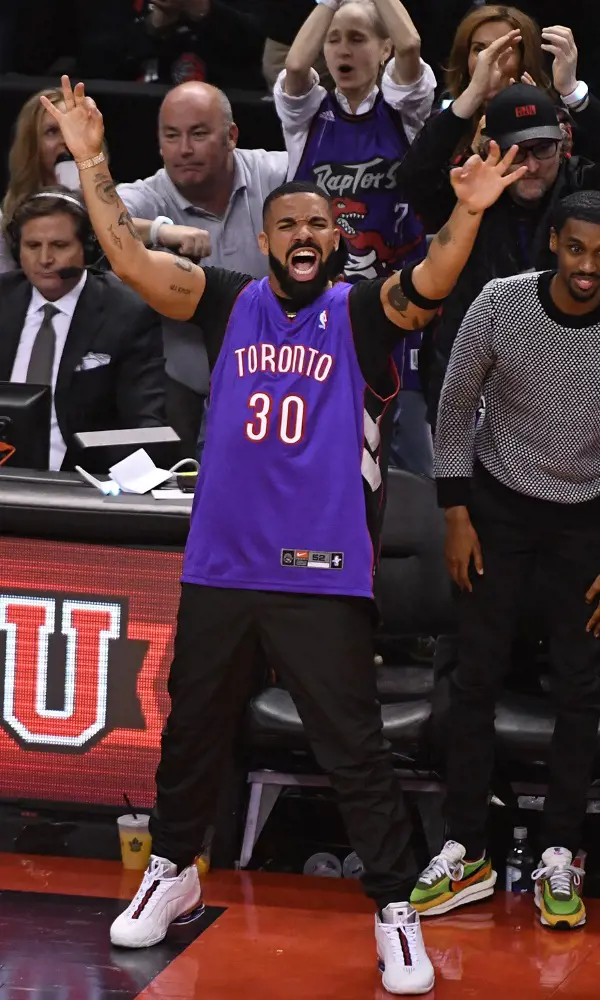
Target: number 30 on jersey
289, 418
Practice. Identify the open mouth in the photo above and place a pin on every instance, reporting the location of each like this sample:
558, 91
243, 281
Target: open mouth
345, 68
304, 264
585, 284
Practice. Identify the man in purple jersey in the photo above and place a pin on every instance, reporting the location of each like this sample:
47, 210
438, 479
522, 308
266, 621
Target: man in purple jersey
283, 543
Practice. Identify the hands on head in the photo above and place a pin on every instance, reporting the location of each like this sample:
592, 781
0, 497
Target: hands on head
80, 123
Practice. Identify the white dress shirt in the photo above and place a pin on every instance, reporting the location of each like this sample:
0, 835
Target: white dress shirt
61, 322
413, 100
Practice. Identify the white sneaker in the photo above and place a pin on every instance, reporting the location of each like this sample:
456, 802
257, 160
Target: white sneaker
403, 960
163, 898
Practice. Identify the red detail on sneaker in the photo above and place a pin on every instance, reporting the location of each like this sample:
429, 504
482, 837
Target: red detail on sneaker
457, 884
405, 948
147, 896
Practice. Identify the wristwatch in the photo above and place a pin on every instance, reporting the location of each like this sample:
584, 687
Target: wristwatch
160, 220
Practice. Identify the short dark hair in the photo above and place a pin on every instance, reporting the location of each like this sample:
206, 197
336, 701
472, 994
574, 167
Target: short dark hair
582, 205
293, 187
51, 201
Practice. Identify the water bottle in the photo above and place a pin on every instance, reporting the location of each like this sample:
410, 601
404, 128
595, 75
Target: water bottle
519, 863
323, 865
352, 866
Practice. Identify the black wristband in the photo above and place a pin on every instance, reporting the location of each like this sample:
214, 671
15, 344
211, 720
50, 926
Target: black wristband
453, 491
407, 286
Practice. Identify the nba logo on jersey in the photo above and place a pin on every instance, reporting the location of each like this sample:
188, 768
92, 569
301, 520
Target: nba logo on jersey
323, 320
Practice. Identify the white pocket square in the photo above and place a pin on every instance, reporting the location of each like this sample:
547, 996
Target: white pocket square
90, 361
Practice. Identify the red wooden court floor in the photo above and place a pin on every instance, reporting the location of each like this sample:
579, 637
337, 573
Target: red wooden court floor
277, 938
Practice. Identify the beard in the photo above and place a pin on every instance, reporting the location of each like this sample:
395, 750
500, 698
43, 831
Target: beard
303, 293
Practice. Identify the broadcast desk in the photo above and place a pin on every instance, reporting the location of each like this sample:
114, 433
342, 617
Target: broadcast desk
61, 506
89, 587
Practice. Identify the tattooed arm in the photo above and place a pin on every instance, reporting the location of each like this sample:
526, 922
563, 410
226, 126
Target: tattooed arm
171, 285
477, 185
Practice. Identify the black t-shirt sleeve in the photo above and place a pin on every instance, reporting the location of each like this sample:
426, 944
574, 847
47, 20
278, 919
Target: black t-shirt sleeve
215, 306
375, 336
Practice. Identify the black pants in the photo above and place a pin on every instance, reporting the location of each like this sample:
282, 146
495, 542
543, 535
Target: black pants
322, 650
559, 544
184, 414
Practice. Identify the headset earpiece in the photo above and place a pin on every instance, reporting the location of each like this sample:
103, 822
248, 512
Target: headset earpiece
92, 252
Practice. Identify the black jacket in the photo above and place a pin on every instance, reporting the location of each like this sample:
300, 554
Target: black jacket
510, 240
110, 320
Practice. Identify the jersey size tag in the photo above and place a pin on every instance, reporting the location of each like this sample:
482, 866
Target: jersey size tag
311, 559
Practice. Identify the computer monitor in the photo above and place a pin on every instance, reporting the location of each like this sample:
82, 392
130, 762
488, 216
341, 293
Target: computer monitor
25, 425
97, 451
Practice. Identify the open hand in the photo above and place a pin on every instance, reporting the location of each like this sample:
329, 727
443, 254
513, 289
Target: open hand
80, 123
489, 77
479, 183
561, 43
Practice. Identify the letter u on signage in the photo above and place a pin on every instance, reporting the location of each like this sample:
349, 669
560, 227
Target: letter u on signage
88, 627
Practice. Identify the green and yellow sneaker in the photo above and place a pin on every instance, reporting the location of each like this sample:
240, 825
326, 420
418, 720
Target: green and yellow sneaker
558, 887
450, 881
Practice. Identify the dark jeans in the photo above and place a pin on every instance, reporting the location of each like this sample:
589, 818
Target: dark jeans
560, 544
322, 649
184, 414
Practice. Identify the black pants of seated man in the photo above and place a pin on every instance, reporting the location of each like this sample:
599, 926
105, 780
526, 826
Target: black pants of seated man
523, 539
322, 650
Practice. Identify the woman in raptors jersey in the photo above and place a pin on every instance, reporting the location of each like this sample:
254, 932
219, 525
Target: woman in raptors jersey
351, 143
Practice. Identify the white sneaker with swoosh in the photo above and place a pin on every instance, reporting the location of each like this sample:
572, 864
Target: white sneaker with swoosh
163, 898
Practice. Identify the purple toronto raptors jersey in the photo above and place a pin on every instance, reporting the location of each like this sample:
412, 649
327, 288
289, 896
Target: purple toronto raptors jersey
355, 159
292, 452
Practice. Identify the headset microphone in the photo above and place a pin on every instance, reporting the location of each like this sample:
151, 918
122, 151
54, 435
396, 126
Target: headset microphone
66, 273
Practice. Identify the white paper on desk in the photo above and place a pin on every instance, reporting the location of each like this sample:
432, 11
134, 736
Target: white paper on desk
137, 473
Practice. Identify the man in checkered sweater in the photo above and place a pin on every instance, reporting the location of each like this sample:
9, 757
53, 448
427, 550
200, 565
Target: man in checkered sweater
521, 490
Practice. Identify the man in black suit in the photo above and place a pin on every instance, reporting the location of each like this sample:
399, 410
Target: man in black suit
84, 333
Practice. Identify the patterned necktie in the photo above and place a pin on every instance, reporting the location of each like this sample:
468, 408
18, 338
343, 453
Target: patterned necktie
41, 361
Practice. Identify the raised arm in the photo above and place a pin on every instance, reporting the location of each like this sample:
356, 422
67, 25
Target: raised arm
424, 172
410, 303
171, 285
305, 48
405, 38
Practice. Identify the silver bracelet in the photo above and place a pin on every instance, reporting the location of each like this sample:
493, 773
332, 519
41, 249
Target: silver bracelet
160, 220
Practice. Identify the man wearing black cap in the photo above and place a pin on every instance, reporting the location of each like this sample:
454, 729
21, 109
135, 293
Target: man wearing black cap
516, 234
525, 116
